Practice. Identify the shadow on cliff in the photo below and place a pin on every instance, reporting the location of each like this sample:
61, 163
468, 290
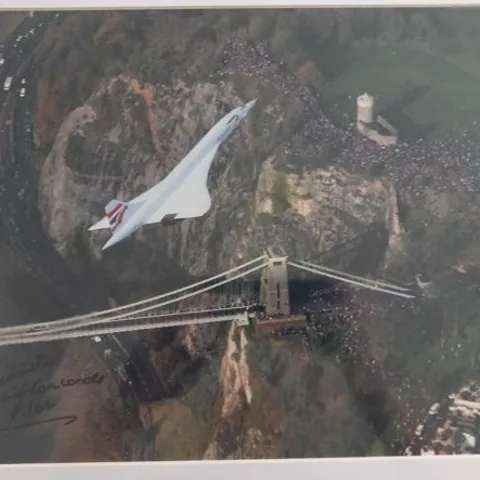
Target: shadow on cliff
360, 255
395, 112
127, 272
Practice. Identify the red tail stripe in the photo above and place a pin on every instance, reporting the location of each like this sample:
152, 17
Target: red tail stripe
114, 211
120, 218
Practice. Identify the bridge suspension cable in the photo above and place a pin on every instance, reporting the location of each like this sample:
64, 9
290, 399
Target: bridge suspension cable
342, 278
131, 316
354, 277
77, 320
74, 323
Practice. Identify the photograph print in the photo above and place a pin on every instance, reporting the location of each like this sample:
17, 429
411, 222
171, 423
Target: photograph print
239, 234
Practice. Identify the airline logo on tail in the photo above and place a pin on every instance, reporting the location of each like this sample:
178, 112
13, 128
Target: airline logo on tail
115, 215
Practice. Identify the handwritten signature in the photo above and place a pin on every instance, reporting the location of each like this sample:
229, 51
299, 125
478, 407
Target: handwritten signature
38, 386
67, 418
26, 407
40, 361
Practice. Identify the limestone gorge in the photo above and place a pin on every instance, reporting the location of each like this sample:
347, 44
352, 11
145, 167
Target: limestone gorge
255, 203
138, 93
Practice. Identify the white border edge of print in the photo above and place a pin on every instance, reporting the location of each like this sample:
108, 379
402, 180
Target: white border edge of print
373, 468
15, 5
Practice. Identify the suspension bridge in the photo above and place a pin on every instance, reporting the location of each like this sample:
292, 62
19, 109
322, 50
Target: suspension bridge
198, 303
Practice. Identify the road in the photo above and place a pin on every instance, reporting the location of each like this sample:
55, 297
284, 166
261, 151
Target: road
20, 224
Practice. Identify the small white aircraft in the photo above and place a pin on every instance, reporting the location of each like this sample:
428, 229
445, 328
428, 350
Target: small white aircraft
183, 193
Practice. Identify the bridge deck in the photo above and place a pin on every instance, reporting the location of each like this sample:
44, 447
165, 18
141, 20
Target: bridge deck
151, 314
239, 315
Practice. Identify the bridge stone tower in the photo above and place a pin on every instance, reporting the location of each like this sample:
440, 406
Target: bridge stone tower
274, 293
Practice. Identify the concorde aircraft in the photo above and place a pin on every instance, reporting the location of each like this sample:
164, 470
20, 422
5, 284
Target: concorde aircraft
182, 194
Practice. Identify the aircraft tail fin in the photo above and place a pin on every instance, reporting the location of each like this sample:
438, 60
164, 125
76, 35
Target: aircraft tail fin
116, 212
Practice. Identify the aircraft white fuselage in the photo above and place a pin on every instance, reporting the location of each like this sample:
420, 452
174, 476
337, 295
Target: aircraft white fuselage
182, 194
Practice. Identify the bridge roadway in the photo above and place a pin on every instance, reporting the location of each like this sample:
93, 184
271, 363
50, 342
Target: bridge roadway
238, 314
142, 307
150, 313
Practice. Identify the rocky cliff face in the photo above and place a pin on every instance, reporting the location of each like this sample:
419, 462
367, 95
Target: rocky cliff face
124, 140
127, 136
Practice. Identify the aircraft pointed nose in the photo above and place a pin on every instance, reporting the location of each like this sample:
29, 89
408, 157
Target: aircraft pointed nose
251, 103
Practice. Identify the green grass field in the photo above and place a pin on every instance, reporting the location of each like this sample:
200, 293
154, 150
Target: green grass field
413, 88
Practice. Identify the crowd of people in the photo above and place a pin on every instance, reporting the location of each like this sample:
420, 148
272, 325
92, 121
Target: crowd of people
450, 162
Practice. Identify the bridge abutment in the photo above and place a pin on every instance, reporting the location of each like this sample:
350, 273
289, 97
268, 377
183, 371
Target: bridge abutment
242, 320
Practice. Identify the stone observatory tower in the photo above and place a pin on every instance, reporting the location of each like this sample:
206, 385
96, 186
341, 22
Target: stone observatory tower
365, 109
377, 129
